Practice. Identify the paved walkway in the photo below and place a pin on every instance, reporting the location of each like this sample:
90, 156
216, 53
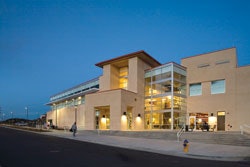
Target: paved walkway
167, 147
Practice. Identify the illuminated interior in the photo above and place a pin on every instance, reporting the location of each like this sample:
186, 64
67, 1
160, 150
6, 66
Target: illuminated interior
162, 120
165, 94
197, 120
102, 117
123, 78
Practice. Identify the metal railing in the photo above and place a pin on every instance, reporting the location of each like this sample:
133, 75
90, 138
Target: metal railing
244, 129
180, 132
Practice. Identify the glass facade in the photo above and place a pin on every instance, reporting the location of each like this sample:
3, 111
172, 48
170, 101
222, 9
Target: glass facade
92, 84
74, 96
165, 97
69, 103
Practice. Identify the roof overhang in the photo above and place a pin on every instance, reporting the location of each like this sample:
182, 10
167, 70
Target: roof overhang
140, 54
92, 90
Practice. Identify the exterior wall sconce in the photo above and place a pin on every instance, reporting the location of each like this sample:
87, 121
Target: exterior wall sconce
124, 117
138, 120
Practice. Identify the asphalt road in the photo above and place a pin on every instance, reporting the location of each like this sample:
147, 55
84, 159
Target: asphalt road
27, 149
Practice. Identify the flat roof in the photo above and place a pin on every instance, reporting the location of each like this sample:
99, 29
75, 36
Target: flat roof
92, 90
201, 54
140, 54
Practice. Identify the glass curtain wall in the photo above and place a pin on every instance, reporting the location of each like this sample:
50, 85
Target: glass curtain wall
69, 103
165, 97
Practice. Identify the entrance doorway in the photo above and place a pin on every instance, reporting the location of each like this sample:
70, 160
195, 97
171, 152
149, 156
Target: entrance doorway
102, 117
127, 119
221, 120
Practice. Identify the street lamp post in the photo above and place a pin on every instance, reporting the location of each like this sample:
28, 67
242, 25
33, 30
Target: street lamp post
75, 112
26, 108
56, 116
11, 117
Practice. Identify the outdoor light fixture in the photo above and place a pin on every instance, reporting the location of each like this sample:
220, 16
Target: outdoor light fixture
124, 113
212, 114
138, 119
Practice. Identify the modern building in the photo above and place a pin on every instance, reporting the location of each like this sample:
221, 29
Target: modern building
136, 92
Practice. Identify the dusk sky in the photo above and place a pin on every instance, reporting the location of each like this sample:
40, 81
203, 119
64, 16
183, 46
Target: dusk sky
47, 46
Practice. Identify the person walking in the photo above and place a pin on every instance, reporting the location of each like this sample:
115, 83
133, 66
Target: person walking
74, 129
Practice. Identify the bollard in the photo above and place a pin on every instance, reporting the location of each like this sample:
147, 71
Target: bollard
185, 146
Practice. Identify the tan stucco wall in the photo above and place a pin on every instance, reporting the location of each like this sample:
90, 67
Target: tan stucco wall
96, 100
133, 75
110, 78
243, 95
51, 115
104, 80
65, 117
230, 101
118, 100
136, 76
137, 103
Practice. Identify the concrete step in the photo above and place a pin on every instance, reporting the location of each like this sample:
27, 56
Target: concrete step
225, 138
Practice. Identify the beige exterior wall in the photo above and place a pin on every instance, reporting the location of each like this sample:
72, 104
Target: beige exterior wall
118, 101
51, 115
136, 76
104, 80
243, 95
65, 117
110, 78
216, 66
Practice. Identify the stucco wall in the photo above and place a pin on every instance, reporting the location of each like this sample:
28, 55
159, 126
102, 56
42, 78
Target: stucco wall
105, 78
106, 98
243, 95
118, 100
209, 67
65, 117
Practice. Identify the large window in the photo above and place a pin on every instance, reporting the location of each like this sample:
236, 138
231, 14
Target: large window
218, 87
195, 89
123, 78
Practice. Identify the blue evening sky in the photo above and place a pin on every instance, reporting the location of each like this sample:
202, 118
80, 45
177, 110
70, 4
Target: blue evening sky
47, 46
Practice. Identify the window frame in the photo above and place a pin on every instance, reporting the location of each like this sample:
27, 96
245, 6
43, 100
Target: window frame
218, 88
196, 91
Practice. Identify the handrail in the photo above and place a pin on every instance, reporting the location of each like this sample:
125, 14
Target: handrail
180, 132
244, 129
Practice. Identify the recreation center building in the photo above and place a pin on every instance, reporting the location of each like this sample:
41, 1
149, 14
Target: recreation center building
136, 92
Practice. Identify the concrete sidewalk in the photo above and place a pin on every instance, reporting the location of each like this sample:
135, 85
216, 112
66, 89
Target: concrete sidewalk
167, 147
